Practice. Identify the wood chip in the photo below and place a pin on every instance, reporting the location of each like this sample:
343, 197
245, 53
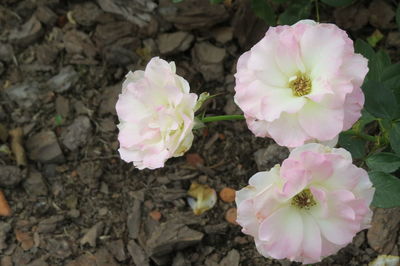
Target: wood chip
4, 207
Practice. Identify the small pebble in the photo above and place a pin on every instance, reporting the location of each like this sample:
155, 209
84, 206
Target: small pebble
155, 215
231, 215
227, 194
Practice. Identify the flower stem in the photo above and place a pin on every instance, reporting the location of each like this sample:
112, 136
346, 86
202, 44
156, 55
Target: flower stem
361, 135
221, 118
317, 9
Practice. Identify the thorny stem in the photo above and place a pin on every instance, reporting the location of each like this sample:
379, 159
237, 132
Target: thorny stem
221, 118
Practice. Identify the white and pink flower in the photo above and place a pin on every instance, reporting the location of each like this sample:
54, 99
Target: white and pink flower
308, 208
156, 113
301, 83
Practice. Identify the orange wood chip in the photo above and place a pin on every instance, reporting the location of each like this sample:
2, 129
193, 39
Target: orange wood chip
4, 207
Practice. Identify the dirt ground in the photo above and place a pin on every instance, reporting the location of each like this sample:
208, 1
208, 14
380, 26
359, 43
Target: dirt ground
73, 200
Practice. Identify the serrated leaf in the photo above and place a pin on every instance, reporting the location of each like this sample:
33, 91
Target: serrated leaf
355, 145
379, 62
379, 101
384, 162
337, 3
295, 11
387, 190
364, 48
264, 11
394, 137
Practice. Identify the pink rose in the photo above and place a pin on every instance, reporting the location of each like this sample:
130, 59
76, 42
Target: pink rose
308, 208
301, 83
156, 113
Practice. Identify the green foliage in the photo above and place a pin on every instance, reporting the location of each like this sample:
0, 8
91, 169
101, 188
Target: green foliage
264, 11
379, 100
387, 189
355, 145
375, 37
337, 3
385, 162
296, 10
398, 16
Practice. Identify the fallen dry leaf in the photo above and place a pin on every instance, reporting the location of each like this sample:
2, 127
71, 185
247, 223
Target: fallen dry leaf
25, 238
385, 260
203, 198
16, 146
4, 207
194, 159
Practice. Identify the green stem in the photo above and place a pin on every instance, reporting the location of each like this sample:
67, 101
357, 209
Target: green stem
317, 9
221, 118
361, 135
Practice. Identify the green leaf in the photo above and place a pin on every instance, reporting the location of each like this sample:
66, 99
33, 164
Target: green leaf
216, 1
337, 3
264, 11
375, 37
295, 11
379, 100
387, 190
176, 1
394, 137
355, 145
364, 48
385, 162
58, 120
378, 63
279, 1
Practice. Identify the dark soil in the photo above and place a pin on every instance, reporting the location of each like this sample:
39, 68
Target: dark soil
75, 202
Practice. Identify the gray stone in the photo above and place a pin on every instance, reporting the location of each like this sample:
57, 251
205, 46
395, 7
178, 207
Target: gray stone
231, 259
138, 255
171, 43
393, 39
46, 15
134, 218
137, 12
192, 14
27, 34
5, 228
86, 13
43, 147
382, 236
117, 248
170, 236
208, 60
76, 134
380, 14
6, 52
48, 225
109, 99
34, 185
104, 258
268, 157
91, 235
222, 34
24, 94
10, 175
64, 80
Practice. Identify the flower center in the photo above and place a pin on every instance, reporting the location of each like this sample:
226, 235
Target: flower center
304, 200
300, 85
